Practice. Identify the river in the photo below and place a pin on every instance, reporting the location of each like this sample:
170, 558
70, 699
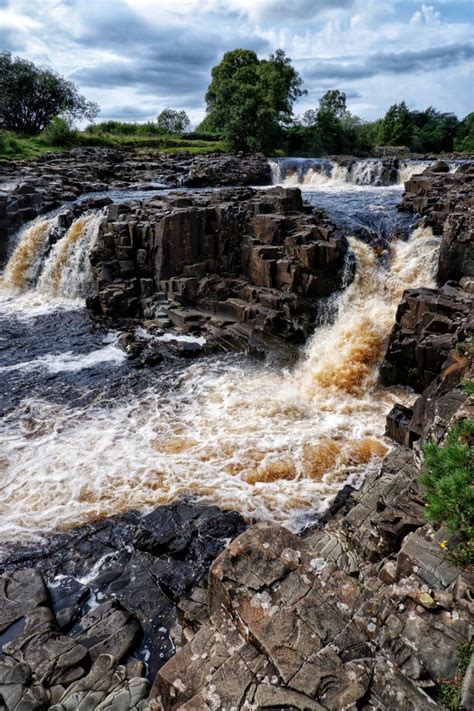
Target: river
87, 433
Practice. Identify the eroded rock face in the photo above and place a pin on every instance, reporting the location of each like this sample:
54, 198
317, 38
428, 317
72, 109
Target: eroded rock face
445, 200
31, 188
429, 324
352, 616
241, 264
80, 615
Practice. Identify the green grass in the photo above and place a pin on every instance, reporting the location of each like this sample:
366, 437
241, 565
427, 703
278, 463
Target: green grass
14, 147
448, 693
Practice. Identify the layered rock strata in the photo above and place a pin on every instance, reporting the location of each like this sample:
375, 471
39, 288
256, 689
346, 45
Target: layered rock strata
243, 265
84, 618
31, 188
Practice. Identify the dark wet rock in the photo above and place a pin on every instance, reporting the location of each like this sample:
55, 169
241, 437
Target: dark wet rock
229, 170
429, 324
398, 424
33, 187
112, 588
239, 265
445, 201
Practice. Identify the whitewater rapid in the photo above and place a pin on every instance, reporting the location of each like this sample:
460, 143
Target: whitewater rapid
275, 445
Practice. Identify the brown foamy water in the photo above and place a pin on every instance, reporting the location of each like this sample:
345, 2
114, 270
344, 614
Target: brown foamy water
276, 445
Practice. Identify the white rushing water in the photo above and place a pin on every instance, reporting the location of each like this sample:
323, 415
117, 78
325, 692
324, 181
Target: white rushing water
309, 173
276, 445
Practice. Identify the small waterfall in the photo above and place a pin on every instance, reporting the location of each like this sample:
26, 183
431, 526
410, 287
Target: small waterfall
51, 262
367, 172
308, 173
408, 168
67, 271
25, 263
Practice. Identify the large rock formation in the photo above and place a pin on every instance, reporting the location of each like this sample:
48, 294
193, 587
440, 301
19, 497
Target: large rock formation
363, 614
445, 200
31, 188
430, 347
81, 615
240, 263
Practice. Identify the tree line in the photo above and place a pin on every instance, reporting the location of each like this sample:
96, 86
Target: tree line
249, 105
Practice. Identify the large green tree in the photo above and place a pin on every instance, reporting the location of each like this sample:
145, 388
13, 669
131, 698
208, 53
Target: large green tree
396, 127
31, 96
465, 134
249, 101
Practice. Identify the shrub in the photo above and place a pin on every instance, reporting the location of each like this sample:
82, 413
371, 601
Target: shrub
447, 481
59, 133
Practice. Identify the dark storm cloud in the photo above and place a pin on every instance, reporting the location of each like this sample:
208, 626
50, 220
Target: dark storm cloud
155, 60
426, 60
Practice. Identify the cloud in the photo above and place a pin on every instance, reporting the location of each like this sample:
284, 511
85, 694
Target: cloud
284, 10
129, 113
137, 56
426, 60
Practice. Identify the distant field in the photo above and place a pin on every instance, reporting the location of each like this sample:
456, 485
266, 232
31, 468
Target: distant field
14, 147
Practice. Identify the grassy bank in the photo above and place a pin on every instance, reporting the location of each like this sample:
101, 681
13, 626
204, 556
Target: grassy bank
15, 147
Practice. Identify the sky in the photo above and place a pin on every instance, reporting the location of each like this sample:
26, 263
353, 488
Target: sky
136, 57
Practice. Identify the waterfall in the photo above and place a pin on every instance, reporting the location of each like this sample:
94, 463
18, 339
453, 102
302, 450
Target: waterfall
272, 444
67, 271
52, 262
23, 266
308, 173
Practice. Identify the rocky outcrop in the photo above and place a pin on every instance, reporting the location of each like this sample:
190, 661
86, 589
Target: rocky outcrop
242, 265
81, 615
429, 324
31, 188
445, 201
363, 614
228, 170
430, 347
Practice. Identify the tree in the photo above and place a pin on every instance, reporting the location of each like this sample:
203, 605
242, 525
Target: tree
171, 121
433, 131
249, 101
465, 134
334, 103
329, 118
396, 128
31, 96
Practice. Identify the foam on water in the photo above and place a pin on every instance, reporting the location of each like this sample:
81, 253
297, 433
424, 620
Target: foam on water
276, 445
70, 362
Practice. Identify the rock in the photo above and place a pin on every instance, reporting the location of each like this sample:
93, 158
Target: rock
219, 169
429, 323
20, 592
467, 690
106, 687
144, 567
18, 690
444, 199
440, 167
31, 188
257, 262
